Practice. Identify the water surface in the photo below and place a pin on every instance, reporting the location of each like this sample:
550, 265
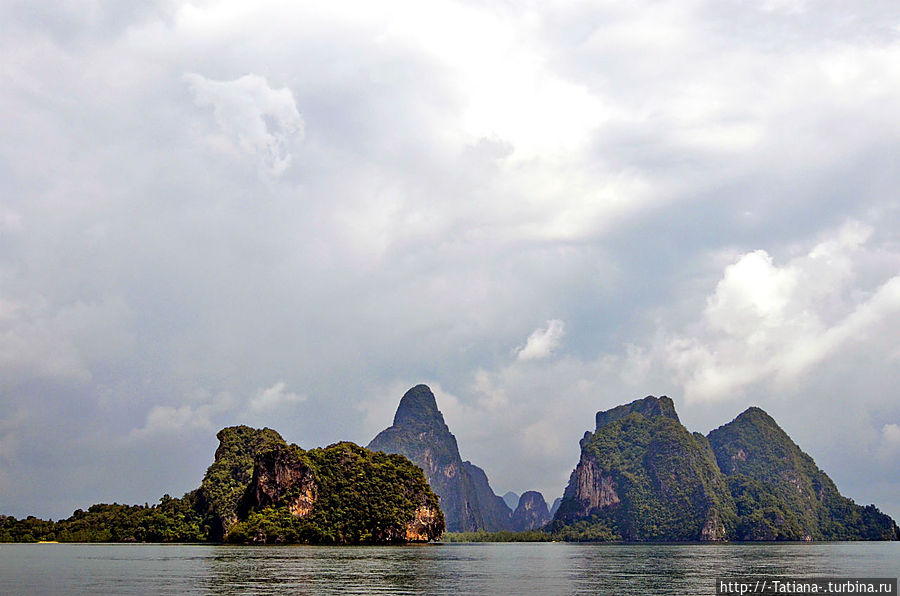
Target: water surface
448, 569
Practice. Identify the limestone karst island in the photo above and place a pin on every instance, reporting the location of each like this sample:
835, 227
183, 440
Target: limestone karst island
642, 476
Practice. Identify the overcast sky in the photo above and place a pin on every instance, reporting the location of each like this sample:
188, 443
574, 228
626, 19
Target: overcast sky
286, 214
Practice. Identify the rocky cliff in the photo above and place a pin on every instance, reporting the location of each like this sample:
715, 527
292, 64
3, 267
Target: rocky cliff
230, 473
420, 434
643, 476
262, 490
531, 512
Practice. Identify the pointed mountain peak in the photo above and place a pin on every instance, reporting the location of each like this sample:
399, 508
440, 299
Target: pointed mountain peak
756, 415
649, 407
756, 418
418, 406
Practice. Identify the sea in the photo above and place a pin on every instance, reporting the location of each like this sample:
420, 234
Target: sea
438, 568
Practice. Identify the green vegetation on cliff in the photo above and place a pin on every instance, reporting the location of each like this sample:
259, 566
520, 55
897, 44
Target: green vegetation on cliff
362, 497
230, 473
645, 477
780, 492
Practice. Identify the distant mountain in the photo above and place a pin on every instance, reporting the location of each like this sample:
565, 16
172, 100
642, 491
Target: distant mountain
511, 499
644, 476
531, 512
555, 506
420, 434
780, 493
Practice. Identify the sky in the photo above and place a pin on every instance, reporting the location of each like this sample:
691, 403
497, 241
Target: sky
286, 214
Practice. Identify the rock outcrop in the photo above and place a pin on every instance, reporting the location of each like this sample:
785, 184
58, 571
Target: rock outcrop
281, 475
420, 434
261, 490
229, 475
643, 476
779, 491
531, 512
495, 513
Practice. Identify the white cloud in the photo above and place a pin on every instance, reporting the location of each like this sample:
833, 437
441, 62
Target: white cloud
42, 340
170, 420
791, 7
626, 140
775, 323
274, 398
542, 342
254, 119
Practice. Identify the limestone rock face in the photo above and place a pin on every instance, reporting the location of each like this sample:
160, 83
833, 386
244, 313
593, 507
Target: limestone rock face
495, 513
420, 434
227, 478
427, 524
589, 488
643, 476
531, 512
262, 490
275, 473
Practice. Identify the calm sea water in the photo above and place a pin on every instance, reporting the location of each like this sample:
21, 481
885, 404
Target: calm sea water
535, 568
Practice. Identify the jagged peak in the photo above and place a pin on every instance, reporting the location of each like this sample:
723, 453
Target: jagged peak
649, 407
242, 435
418, 406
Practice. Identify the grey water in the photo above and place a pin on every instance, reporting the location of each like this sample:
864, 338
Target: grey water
451, 568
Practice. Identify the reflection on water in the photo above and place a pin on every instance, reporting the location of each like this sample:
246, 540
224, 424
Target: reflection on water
453, 569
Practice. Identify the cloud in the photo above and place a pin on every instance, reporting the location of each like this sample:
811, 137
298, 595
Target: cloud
254, 119
39, 339
274, 398
890, 435
171, 420
658, 177
542, 342
770, 323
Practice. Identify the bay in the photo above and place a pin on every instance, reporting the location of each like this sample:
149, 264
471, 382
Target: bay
445, 569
